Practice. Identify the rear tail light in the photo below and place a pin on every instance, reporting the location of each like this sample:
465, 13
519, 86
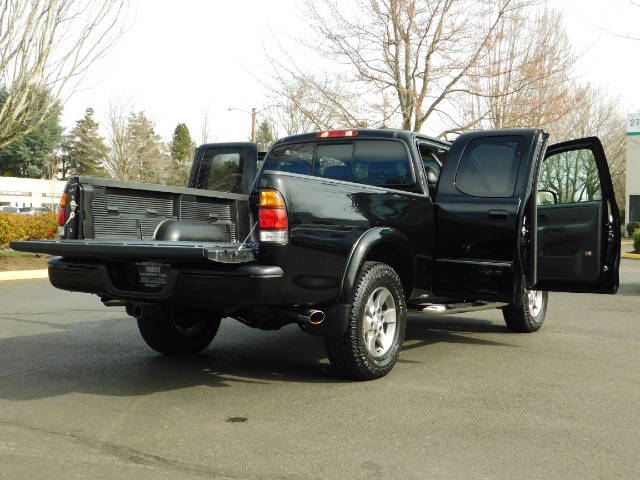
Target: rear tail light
272, 217
62, 210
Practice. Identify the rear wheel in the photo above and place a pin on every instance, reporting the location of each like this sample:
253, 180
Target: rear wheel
529, 315
371, 345
183, 332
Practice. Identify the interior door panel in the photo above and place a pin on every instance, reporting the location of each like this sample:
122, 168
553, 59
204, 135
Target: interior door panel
569, 241
577, 225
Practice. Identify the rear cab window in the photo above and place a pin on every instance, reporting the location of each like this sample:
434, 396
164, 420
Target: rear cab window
369, 162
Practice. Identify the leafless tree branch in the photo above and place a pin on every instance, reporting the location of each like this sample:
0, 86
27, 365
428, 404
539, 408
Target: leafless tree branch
46, 50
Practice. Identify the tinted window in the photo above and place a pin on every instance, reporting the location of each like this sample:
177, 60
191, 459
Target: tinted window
335, 161
378, 162
294, 158
489, 166
372, 162
221, 170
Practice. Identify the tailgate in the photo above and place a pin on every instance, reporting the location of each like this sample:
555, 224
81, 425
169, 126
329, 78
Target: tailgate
142, 250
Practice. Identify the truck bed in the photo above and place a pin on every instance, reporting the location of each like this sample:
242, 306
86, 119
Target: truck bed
132, 211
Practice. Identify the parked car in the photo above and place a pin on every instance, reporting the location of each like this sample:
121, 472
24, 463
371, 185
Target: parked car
32, 210
8, 209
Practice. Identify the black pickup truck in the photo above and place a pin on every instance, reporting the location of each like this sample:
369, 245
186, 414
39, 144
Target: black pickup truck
345, 233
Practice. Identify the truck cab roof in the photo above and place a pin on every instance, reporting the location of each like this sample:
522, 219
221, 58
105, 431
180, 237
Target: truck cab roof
353, 134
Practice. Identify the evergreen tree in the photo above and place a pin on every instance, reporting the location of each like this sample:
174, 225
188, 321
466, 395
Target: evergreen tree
85, 150
27, 157
181, 144
147, 151
264, 136
182, 149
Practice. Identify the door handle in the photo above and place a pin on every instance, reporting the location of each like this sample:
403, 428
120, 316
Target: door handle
553, 232
497, 214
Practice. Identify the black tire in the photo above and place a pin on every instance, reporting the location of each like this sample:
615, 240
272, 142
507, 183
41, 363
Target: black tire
184, 332
371, 345
527, 316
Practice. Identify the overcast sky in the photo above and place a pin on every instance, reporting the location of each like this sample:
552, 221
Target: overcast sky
179, 60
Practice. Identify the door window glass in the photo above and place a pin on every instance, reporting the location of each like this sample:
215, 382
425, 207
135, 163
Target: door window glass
489, 166
221, 170
570, 177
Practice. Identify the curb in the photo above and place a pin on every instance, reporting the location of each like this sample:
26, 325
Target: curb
23, 274
630, 255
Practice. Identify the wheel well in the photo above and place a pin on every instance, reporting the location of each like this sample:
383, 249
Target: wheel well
397, 258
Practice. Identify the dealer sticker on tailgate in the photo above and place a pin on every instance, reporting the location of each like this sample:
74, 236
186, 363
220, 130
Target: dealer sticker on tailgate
152, 274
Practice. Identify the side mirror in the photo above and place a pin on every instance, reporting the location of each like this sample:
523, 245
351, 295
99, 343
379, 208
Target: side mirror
432, 175
547, 197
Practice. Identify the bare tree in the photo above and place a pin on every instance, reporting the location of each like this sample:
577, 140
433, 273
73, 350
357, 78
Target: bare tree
52, 166
620, 11
137, 153
205, 127
594, 113
118, 163
405, 59
303, 102
48, 46
533, 87
516, 85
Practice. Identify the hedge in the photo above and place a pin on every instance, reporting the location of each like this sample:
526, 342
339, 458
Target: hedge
631, 227
636, 240
14, 226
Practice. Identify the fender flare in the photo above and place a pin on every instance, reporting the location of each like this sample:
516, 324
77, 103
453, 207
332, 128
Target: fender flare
371, 238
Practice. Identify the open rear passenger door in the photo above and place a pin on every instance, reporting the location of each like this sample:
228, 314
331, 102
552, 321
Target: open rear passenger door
507, 222
577, 225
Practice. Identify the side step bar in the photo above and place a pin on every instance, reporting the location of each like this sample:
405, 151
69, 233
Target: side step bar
447, 309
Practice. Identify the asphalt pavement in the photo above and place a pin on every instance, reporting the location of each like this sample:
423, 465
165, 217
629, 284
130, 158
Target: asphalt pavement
82, 396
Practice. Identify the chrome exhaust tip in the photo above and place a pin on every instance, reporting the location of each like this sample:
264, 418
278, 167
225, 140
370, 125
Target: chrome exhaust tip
314, 317
309, 316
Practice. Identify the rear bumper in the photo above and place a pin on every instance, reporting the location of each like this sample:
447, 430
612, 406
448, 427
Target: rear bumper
189, 285
192, 286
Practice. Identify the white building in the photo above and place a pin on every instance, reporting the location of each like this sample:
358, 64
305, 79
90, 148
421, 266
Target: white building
29, 192
632, 203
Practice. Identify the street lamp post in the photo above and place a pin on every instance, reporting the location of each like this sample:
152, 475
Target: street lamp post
254, 117
253, 124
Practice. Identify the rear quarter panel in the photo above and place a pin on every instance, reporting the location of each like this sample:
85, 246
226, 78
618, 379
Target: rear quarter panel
326, 220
